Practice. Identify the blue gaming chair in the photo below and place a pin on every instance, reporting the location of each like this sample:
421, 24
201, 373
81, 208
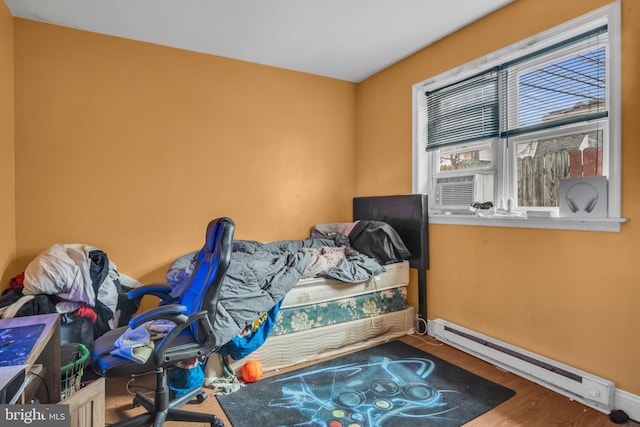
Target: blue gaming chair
192, 307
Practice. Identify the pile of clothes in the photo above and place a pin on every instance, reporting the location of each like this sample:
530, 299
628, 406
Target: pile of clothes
77, 281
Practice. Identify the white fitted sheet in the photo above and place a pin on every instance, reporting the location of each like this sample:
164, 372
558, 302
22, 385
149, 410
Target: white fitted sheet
316, 289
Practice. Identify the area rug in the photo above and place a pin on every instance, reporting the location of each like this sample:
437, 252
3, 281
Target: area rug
390, 385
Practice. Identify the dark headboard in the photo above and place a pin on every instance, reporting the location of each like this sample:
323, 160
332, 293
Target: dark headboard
407, 214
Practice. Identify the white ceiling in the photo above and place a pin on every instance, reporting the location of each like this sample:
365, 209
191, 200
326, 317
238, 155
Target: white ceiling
343, 39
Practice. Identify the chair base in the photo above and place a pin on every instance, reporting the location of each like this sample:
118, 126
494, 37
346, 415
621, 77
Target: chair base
160, 409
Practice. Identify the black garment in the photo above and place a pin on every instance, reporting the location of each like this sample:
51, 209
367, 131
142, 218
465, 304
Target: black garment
9, 296
98, 269
378, 240
40, 304
128, 307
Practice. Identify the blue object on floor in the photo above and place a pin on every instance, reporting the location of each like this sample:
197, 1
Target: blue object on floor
183, 380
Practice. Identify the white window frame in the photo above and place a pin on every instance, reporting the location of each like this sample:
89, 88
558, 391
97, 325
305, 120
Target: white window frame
424, 162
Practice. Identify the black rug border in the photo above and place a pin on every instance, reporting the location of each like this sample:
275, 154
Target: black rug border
389, 349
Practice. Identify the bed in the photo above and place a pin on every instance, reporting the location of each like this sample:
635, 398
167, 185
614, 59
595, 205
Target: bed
322, 316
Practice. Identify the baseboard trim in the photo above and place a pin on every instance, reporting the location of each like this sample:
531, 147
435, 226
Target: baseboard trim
629, 403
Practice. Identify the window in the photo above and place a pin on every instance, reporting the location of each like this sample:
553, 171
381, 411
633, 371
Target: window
504, 130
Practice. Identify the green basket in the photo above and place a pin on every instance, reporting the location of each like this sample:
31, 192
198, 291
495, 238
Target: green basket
72, 373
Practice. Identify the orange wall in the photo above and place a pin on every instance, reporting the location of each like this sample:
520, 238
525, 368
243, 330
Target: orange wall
134, 147
572, 296
7, 188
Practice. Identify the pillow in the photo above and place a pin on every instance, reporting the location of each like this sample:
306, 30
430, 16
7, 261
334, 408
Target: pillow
332, 229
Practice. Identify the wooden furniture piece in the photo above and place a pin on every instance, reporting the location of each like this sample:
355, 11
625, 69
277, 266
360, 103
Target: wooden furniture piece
44, 358
86, 407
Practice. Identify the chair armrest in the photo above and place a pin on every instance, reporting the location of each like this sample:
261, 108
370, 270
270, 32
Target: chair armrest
159, 290
205, 346
173, 312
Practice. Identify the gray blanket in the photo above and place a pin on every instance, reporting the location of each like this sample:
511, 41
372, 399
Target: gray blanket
261, 274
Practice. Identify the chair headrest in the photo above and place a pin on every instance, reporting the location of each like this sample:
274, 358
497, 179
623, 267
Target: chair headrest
214, 230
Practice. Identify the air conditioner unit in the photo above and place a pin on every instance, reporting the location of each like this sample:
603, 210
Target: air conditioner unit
463, 190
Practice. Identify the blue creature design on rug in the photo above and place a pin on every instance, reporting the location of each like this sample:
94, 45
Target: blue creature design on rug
382, 392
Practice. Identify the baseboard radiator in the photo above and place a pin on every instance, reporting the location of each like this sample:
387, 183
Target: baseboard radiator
578, 385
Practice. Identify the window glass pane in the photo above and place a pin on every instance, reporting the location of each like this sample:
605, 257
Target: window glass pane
472, 156
541, 163
562, 85
568, 87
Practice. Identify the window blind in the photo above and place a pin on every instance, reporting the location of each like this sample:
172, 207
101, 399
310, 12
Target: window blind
463, 112
559, 85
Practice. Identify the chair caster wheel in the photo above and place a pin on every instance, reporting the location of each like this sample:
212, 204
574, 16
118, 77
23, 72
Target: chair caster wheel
217, 423
201, 397
135, 403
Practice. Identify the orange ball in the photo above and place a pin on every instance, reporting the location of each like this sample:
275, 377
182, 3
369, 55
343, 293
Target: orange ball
252, 371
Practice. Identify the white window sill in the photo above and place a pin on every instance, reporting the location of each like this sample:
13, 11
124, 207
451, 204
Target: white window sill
554, 223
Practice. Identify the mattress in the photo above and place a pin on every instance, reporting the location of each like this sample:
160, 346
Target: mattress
321, 317
281, 351
310, 316
316, 289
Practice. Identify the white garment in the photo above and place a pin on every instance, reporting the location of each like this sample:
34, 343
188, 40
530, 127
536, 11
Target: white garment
137, 344
62, 270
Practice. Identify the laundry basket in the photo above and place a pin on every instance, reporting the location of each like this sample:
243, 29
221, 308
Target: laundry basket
75, 357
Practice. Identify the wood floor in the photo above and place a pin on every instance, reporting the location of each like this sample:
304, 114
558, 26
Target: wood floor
532, 405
